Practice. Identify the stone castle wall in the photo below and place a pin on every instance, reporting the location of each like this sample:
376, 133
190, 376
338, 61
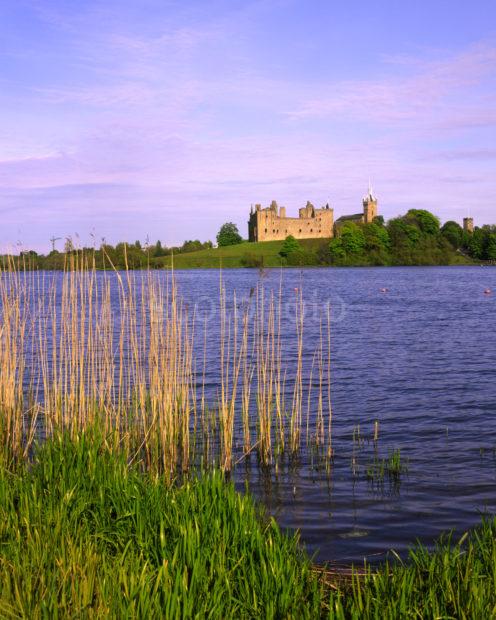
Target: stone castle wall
271, 224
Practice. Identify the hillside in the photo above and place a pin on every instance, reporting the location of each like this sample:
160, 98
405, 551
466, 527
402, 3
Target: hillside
260, 254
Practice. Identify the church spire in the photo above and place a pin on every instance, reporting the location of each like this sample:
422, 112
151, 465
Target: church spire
370, 195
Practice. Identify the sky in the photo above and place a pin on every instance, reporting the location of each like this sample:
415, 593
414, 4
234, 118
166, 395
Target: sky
156, 119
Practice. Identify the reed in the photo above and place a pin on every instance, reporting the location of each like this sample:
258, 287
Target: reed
121, 349
391, 467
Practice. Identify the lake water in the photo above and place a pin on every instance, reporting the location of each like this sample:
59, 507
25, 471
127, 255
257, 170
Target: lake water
421, 359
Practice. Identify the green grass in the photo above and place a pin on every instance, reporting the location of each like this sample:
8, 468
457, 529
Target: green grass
82, 534
456, 580
232, 256
85, 535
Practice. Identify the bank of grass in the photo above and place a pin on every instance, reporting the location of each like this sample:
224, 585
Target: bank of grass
260, 254
455, 580
314, 252
83, 534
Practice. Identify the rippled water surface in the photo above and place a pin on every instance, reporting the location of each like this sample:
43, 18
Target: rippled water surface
421, 359
415, 349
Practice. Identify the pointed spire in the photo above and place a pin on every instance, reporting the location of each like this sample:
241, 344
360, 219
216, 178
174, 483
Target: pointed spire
370, 195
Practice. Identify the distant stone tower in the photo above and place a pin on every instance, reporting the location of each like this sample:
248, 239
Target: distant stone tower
468, 224
369, 207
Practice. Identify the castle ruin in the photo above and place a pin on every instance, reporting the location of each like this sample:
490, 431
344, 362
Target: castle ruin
271, 223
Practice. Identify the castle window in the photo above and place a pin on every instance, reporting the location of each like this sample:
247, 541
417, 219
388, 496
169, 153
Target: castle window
311, 229
300, 229
265, 230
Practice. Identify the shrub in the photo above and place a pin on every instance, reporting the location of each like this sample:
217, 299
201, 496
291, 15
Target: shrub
251, 260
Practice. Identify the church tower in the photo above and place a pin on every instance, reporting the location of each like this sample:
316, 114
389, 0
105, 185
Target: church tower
369, 206
468, 224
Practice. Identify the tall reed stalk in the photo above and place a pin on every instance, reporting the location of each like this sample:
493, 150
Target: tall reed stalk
119, 350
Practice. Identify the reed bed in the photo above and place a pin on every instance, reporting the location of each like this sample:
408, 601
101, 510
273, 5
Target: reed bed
123, 350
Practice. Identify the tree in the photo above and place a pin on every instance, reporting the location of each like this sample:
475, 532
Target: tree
352, 238
336, 250
377, 243
228, 235
426, 221
491, 247
402, 232
158, 250
376, 236
453, 232
290, 245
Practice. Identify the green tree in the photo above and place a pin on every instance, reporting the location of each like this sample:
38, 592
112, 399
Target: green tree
195, 245
158, 250
336, 251
453, 232
482, 243
353, 238
377, 243
491, 247
376, 237
401, 232
228, 235
290, 245
426, 221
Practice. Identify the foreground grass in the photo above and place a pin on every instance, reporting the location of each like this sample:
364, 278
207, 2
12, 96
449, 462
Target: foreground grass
456, 580
83, 534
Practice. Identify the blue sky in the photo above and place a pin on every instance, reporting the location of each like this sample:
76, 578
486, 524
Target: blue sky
151, 118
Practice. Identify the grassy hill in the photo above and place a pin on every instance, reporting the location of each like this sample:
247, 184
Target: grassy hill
263, 254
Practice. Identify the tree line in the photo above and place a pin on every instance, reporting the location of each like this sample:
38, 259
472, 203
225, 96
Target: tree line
133, 255
416, 238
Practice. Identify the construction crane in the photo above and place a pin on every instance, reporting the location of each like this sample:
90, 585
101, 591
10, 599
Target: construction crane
53, 240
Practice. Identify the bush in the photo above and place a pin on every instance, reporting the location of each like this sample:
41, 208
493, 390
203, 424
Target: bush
301, 258
252, 260
289, 246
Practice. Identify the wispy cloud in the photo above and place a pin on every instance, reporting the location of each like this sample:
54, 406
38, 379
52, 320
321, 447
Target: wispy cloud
426, 95
180, 117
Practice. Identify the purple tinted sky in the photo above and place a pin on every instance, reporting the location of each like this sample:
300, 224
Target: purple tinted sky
128, 118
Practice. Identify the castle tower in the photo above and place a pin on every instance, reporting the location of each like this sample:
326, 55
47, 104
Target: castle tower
369, 206
468, 224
